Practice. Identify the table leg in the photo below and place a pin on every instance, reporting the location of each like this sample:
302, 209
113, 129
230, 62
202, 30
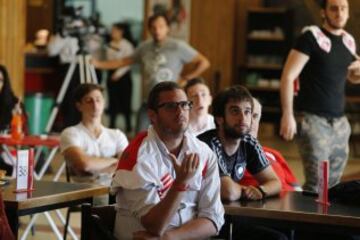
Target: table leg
84, 232
70, 230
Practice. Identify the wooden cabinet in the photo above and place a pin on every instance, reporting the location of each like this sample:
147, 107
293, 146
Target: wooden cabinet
269, 36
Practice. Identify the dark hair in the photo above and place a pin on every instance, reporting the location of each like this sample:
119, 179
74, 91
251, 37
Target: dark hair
125, 28
84, 89
153, 99
7, 100
194, 82
154, 17
323, 4
236, 92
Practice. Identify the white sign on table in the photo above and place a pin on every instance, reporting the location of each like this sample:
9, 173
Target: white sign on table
24, 170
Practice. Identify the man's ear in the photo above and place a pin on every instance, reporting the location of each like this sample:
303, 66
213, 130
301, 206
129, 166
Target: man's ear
77, 105
152, 115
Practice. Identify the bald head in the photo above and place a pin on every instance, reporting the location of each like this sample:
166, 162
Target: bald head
255, 120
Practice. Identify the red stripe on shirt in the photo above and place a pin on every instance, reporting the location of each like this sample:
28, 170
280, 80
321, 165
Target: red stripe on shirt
166, 176
205, 169
129, 157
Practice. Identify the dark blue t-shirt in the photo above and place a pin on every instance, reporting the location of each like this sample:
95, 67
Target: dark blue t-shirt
249, 155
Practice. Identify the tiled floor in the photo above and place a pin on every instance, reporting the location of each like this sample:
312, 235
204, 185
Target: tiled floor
267, 138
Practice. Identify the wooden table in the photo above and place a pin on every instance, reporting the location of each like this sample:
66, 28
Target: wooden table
47, 196
52, 142
293, 210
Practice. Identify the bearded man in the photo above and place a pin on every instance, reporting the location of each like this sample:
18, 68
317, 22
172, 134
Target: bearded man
323, 58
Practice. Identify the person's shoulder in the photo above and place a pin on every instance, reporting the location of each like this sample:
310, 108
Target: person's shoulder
248, 138
115, 134
308, 33
207, 136
140, 139
126, 43
194, 141
145, 44
135, 144
71, 130
177, 42
114, 131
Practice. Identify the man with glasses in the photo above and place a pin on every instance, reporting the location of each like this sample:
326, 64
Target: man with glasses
167, 181
237, 150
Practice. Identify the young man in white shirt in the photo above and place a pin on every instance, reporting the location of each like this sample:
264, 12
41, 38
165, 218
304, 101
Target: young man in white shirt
90, 149
200, 119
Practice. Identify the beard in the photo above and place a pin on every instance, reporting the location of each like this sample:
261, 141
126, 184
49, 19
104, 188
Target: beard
233, 133
175, 130
334, 25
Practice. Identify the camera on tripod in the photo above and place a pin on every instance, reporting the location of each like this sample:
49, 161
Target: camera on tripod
89, 32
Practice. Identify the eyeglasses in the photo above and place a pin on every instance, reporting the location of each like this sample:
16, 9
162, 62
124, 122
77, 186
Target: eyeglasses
172, 106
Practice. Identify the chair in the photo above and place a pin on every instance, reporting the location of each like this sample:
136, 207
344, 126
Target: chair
97, 222
76, 208
70, 209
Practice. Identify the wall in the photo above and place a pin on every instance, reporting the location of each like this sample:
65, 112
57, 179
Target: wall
120, 10
39, 16
12, 41
114, 11
212, 33
133, 11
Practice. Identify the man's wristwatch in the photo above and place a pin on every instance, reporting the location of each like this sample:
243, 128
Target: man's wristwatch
262, 190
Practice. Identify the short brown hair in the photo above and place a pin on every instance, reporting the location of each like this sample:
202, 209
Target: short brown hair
153, 99
156, 16
236, 92
323, 3
194, 82
84, 89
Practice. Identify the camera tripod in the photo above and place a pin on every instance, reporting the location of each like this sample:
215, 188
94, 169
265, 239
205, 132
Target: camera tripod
87, 75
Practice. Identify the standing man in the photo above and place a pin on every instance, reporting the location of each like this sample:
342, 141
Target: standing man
162, 59
90, 149
167, 181
323, 58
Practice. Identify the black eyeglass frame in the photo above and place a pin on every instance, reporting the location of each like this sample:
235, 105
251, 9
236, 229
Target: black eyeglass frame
185, 105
